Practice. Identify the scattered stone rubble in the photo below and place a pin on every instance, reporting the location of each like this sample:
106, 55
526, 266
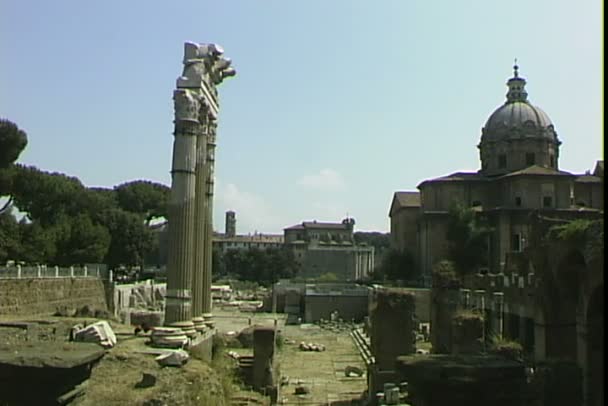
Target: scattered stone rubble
99, 332
175, 358
311, 347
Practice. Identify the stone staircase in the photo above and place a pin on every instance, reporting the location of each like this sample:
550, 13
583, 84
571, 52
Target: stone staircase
363, 345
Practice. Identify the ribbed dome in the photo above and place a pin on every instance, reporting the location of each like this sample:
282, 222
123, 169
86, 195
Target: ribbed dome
517, 118
517, 134
518, 115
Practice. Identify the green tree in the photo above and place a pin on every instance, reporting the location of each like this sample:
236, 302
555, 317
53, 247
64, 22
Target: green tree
82, 242
147, 198
12, 142
10, 238
380, 241
130, 239
38, 244
395, 266
468, 238
44, 196
262, 266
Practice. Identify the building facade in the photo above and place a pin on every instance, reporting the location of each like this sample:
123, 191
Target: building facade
329, 248
520, 174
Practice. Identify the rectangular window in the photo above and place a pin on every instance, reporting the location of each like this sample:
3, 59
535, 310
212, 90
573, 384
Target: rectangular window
518, 201
547, 201
502, 161
552, 161
530, 159
516, 243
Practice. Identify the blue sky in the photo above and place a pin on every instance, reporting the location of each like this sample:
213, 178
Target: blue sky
336, 104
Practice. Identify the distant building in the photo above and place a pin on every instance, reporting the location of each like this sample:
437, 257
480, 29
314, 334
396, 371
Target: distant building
230, 224
231, 241
258, 241
329, 248
404, 215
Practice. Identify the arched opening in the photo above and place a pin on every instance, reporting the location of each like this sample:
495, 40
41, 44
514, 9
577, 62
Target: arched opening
561, 323
595, 348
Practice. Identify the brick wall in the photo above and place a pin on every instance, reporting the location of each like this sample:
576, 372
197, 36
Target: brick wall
30, 296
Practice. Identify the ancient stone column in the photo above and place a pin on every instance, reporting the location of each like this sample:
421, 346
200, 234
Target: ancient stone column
200, 221
178, 310
205, 67
210, 179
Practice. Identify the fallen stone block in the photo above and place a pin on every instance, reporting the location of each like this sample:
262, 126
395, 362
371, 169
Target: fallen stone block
173, 358
147, 381
353, 371
302, 390
99, 332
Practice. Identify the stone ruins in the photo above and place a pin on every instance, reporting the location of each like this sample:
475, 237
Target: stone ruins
188, 299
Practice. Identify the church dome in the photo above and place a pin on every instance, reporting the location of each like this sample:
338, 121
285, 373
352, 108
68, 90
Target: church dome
517, 117
517, 134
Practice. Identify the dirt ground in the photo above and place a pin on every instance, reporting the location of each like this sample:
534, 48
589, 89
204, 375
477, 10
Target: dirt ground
321, 372
114, 379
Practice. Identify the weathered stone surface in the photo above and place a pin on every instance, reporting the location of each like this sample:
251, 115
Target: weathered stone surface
100, 333
263, 357
48, 295
392, 326
467, 333
173, 358
465, 380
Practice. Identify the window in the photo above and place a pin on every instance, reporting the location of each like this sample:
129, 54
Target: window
530, 158
518, 201
547, 201
552, 161
516, 243
502, 161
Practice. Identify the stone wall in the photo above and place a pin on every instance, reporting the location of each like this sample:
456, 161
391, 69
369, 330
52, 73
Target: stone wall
45, 296
348, 307
392, 326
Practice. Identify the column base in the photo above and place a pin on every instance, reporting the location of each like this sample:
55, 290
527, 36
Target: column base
199, 324
208, 317
186, 326
168, 337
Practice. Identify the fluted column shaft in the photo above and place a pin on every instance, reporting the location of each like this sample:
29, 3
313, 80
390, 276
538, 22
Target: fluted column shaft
200, 221
178, 309
210, 172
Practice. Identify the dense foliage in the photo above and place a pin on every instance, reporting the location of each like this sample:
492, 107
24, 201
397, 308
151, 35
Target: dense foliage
396, 266
468, 239
62, 222
262, 266
67, 223
12, 142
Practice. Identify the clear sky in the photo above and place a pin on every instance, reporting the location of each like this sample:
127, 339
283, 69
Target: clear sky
336, 104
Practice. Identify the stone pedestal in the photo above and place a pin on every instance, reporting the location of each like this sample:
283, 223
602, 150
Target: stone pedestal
392, 326
263, 358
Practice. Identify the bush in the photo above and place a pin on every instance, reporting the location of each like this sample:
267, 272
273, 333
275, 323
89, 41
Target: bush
506, 348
